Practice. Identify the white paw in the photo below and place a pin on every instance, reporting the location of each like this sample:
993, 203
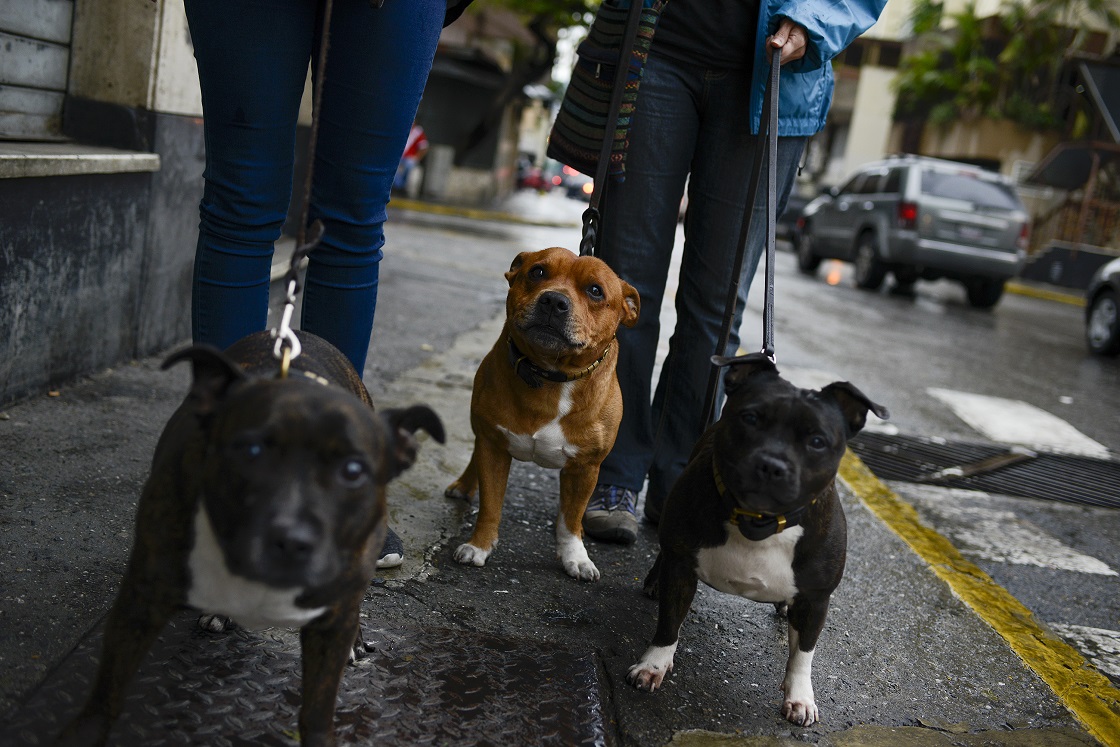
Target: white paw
650, 671
800, 712
215, 623
799, 706
468, 554
584, 570
573, 555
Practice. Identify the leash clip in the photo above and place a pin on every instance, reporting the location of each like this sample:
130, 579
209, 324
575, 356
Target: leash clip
287, 347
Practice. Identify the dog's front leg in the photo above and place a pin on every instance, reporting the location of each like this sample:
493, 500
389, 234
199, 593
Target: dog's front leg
492, 465
327, 644
676, 586
806, 620
577, 482
132, 626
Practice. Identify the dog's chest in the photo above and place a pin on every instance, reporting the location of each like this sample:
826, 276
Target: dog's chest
547, 446
762, 571
252, 604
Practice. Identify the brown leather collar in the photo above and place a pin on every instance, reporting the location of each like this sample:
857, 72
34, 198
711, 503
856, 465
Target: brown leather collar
754, 525
532, 374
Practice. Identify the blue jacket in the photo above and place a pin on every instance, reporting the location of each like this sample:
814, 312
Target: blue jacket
805, 88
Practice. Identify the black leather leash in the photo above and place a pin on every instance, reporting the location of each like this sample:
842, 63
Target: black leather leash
593, 214
767, 150
287, 346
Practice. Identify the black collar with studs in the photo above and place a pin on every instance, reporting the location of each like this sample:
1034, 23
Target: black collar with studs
757, 526
532, 374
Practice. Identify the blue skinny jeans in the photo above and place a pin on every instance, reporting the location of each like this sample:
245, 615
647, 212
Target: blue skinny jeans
689, 120
253, 59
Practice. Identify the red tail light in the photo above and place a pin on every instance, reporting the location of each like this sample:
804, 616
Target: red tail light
1024, 238
907, 215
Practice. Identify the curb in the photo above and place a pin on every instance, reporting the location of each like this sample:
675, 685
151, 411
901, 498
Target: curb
1047, 294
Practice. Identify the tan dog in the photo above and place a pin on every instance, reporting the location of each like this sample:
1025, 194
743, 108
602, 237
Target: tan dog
547, 392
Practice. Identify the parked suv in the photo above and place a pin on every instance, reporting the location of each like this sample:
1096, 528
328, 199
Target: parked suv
920, 218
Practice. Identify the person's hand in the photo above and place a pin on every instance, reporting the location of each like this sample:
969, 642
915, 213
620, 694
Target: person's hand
791, 38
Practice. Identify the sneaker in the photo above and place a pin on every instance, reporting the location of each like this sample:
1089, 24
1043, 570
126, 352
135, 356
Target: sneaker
610, 515
392, 552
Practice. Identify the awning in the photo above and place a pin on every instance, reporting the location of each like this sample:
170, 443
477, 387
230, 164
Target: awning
1069, 165
1102, 82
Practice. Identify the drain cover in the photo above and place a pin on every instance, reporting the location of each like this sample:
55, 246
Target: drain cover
992, 468
417, 687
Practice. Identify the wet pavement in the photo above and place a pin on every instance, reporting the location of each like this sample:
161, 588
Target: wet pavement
509, 654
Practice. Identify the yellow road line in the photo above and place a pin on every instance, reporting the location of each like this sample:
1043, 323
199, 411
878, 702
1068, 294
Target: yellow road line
1047, 294
1088, 694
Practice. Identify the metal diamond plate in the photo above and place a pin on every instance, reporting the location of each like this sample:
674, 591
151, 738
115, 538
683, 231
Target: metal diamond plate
1054, 477
424, 686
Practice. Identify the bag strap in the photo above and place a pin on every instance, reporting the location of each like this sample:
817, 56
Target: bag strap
593, 215
766, 149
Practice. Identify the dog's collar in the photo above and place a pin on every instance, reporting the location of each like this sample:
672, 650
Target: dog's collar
310, 377
754, 525
532, 374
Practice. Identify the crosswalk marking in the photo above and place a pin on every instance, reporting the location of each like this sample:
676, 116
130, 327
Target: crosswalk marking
1014, 422
997, 535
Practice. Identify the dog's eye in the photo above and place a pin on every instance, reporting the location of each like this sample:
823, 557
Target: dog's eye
249, 449
595, 292
353, 473
536, 272
818, 442
750, 417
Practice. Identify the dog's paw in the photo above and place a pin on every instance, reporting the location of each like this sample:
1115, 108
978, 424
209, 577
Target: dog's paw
799, 706
458, 491
650, 671
800, 713
584, 570
215, 623
468, 554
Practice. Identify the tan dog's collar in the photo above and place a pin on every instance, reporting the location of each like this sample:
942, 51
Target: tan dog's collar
753, 525
532, 374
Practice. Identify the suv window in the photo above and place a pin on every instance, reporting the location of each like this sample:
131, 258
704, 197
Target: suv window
969, 188
893, 183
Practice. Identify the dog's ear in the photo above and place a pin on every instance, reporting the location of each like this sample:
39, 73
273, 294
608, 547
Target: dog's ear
631, 304
515, 266
213, 373
854, 404
740, 367
403, 424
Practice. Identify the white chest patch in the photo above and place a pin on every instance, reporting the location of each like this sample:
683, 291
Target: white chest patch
547, 447
252, 604
762, 571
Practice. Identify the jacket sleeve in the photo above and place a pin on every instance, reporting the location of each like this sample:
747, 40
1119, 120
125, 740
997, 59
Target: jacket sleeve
832, 25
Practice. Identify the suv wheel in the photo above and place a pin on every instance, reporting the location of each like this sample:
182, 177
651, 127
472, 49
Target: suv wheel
870, 271
807, 261
984, 293
1102, 330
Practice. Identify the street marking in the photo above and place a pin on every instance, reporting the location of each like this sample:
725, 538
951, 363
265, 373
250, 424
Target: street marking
1001, 536
1100, 646
1087, 693
1014, 422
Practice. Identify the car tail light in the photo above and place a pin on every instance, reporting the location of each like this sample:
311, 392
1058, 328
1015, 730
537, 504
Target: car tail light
1024, 239
907, 215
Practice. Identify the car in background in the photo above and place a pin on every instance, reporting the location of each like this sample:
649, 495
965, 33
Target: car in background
786, 226
1102, 310
920, 218
575, 184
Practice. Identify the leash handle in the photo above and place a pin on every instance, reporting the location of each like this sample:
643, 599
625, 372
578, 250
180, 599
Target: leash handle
593, 215
767, 149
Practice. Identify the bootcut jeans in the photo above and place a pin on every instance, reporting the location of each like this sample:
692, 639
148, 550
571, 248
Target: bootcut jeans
253, 59
691, 123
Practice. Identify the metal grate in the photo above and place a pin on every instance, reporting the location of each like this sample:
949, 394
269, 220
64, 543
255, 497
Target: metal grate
1055, 477
417, 687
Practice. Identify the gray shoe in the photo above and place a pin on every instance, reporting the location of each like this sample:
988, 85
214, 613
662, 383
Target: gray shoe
610, 515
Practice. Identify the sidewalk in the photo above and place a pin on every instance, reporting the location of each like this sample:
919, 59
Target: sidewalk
513, 653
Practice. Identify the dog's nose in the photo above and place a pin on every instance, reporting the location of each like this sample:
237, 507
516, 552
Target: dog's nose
771, 468
292, 541
554, 301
